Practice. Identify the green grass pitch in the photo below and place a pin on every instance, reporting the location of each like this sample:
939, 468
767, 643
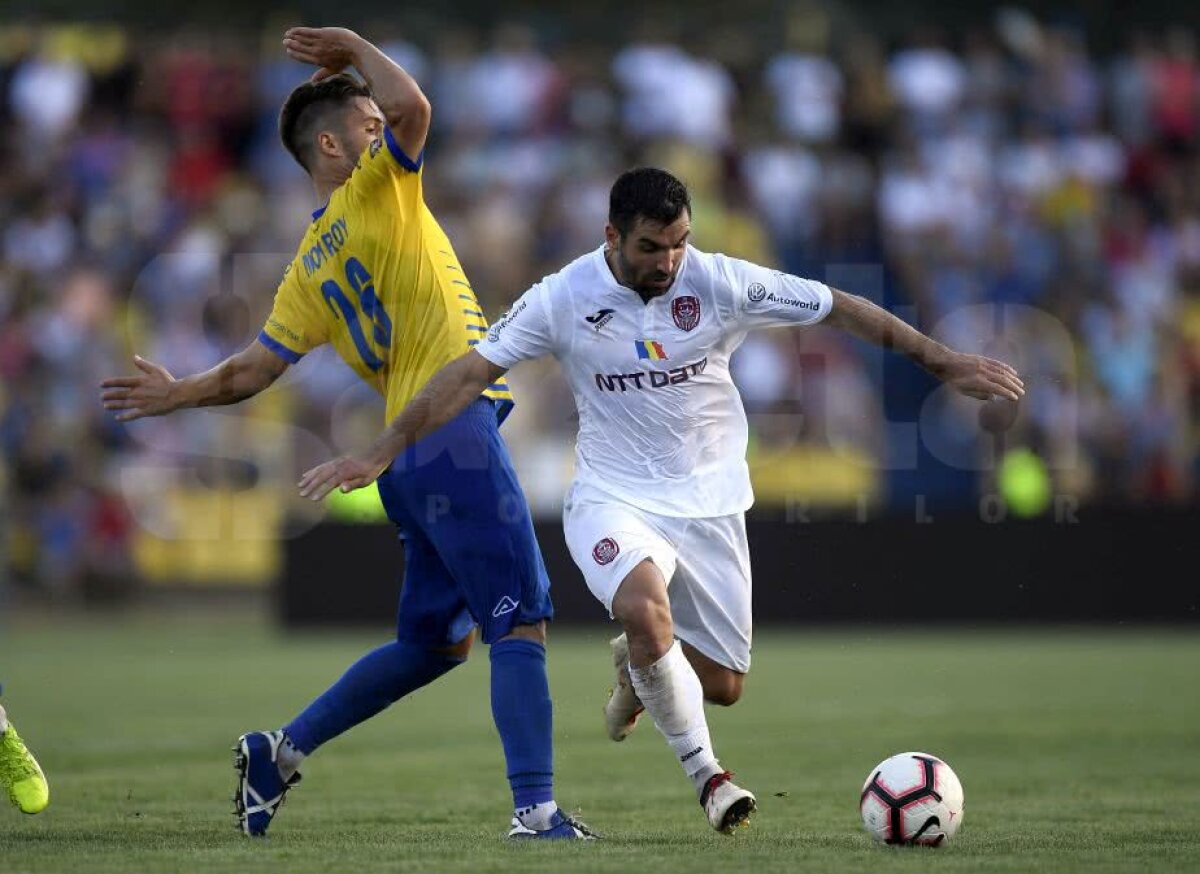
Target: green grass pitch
1078, 750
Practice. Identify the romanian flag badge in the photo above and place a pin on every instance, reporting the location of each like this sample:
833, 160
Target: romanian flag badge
650, 349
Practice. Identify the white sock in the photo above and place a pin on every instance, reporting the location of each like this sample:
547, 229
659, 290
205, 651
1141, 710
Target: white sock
672, 695
3, 721
288, 758
538, 816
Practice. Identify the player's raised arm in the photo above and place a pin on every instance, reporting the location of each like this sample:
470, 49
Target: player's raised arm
446, 395
154, 392
973, 375
399, 97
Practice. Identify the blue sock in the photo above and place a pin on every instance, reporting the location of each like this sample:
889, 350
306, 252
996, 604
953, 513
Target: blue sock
380, 678
524, 717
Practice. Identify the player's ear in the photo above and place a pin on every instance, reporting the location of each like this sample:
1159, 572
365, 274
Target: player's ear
612, 239
328, 144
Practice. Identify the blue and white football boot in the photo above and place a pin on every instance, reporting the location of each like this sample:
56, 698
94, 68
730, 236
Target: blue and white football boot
261, 788
562, 827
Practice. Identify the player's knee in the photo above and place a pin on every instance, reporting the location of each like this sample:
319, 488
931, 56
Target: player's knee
724, 690
536, 633
646, 618
643, 614
460, 650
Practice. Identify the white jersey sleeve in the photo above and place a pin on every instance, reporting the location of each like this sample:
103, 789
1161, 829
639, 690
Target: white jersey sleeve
522, 333
765, 298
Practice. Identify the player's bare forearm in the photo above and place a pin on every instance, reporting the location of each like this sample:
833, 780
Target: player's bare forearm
400, 98
332, 49
876, 325
154, 392
446, 395
973, 375
235, 379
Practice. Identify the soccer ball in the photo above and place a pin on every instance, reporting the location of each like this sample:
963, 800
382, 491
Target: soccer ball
912, 798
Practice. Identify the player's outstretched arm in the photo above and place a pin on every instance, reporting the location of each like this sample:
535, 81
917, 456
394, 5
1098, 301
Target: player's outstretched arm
399, 97
446, 395
973, 375
154, 392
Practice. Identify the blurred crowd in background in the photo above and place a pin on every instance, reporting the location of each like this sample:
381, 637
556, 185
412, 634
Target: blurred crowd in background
1009, 189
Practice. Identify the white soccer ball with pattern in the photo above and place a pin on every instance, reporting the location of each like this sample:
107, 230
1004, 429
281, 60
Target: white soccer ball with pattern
912, 798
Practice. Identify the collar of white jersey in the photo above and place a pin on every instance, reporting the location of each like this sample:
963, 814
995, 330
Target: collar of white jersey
611, 284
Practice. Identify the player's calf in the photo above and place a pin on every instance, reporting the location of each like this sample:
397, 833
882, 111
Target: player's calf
722, 688
722, 685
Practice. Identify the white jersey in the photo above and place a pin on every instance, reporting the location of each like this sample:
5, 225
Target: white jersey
661, 424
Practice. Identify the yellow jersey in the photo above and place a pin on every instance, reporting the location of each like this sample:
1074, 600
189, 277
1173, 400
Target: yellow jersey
376, 276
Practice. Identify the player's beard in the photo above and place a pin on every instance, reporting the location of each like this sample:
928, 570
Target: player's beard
641, 283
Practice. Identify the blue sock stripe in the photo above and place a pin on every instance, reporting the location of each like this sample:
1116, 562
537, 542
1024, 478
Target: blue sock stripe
532, 778
518, 645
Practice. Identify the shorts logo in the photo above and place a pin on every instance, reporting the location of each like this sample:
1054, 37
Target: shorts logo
686, 312
756, 292
506, 605
605, 551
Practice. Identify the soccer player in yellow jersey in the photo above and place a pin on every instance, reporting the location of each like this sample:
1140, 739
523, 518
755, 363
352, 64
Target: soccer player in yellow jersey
376, 276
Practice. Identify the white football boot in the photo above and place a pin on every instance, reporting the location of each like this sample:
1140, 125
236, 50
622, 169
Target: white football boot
727, 805
623, 708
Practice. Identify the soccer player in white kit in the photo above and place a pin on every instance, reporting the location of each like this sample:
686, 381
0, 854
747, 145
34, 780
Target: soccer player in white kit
644, 328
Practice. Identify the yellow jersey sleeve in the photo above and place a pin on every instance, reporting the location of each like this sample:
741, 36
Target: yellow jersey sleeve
297, 323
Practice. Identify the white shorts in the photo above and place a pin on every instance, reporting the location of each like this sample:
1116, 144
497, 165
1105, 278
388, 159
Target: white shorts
706, 563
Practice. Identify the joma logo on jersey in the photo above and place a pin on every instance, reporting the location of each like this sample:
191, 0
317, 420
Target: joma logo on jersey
330, 242
600, 318
643, 379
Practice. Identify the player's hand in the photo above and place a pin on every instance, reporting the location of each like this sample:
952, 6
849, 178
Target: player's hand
980, 377
332, 49
348, 472
148, 394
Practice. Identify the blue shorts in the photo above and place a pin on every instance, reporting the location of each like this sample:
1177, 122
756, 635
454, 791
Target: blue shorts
471, 556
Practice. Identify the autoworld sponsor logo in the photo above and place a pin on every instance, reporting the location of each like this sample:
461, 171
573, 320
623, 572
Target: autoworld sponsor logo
792, 302
647, 379
686, 312
605, 550
505, 320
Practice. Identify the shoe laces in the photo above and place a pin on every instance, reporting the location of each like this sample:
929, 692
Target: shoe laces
16, 765
713, 782
574, 821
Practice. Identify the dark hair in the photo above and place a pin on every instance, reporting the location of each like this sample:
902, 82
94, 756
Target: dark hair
307, 107
647, 193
